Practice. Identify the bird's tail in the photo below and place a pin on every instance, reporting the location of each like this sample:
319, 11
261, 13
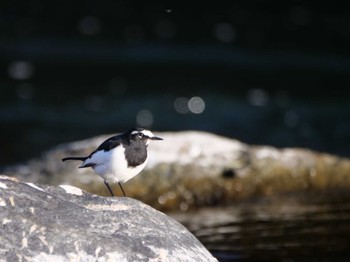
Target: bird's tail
74, 158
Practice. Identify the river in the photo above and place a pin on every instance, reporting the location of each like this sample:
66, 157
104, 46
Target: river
303, 227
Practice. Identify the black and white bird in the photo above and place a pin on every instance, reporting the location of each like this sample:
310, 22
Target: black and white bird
120, 157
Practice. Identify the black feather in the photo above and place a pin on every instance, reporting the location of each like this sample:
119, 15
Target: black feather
74, 158
110, 143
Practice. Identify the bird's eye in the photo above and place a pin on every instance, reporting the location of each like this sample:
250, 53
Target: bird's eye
140, 135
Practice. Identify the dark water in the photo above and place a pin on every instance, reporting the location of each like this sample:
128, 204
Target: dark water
72, 90
283, 121
302, 228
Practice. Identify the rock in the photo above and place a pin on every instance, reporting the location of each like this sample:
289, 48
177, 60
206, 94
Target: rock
197, 169
197, 150
64, 223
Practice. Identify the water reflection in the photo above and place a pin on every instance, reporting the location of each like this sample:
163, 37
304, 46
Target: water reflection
285, 229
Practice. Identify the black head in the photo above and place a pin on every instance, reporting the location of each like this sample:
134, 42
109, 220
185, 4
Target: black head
140, 134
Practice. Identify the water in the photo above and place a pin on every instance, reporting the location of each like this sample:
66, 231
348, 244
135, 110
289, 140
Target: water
69, 91
32, 128
289, 228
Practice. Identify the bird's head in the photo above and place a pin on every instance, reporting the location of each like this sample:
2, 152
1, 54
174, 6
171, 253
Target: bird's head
140, 134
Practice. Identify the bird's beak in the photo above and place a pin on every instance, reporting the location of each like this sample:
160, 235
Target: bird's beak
156, 138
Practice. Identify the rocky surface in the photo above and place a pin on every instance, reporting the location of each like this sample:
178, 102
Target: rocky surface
197, 168
63, 223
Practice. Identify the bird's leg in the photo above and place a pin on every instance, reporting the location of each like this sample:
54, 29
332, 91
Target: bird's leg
121, 188
109, 188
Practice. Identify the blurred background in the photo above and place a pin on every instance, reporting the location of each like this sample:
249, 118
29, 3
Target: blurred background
263, 72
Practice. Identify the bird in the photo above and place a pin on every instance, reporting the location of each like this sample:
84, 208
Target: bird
120, 157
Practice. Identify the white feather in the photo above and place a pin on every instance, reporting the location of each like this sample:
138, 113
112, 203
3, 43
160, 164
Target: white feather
145, 132
112, 165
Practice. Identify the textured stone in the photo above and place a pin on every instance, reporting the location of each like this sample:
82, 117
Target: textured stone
64, 223
203, 153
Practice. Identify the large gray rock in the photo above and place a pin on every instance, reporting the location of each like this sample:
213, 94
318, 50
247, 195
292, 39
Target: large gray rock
63, 223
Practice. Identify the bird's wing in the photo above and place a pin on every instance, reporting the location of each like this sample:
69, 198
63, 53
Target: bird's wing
110, 143
100, 155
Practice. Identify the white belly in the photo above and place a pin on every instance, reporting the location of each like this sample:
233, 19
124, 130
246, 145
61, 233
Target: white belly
113, 167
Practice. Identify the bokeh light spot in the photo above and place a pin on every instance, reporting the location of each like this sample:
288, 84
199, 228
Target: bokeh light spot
196, 105
181, 105
144, 118
224, 32
258, 97
20, 70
